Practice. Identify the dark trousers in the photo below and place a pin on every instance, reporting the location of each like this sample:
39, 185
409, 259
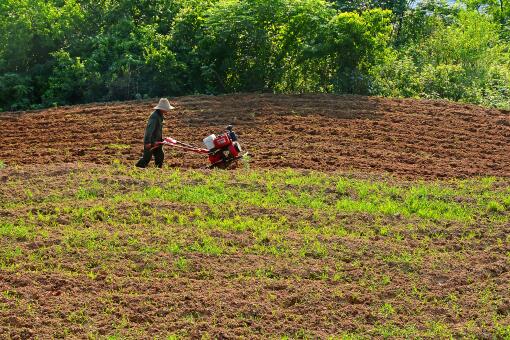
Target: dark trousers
159, 156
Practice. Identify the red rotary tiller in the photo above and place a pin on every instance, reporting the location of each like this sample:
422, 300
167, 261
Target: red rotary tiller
224, 150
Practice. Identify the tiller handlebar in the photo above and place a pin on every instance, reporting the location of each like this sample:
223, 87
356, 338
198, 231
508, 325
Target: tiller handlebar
180, 145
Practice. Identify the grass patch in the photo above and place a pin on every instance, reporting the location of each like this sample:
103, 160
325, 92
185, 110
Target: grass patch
283, 244
118, 146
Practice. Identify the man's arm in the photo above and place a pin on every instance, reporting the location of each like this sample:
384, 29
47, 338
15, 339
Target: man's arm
149, 131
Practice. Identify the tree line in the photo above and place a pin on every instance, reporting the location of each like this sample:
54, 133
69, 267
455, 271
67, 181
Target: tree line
58, 52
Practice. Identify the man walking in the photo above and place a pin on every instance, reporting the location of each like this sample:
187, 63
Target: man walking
154, 134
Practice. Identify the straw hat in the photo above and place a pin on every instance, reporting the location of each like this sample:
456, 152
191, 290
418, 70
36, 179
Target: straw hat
164, 105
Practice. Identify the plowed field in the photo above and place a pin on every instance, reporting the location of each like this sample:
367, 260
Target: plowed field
409, 138
357, 218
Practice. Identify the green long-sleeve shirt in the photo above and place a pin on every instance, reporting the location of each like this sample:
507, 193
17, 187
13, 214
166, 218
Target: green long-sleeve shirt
154, 129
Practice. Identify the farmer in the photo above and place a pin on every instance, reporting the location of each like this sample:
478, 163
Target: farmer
154, 134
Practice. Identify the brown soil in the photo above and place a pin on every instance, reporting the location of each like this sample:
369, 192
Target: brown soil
409, 138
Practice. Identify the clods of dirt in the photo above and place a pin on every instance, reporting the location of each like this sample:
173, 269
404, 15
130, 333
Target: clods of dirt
405, 137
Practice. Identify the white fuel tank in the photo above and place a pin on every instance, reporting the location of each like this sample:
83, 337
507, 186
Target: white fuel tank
209, 141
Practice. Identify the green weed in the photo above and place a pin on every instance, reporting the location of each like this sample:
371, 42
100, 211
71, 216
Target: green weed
181, 264
207, 245
20, 232
495, 207
118, 146
78, 317
387, 310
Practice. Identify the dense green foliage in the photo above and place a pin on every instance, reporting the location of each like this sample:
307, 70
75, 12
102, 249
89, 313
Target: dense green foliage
73, 51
